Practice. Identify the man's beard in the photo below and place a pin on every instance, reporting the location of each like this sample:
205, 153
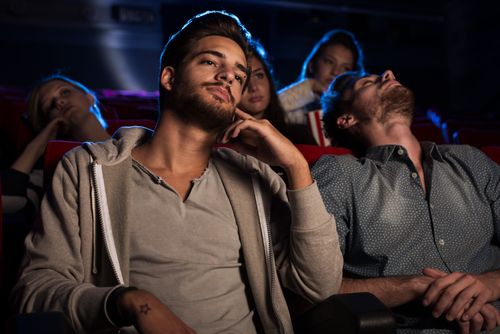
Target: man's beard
191, 107
398, 100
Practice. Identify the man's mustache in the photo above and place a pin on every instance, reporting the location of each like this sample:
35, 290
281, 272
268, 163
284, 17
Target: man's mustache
222, 84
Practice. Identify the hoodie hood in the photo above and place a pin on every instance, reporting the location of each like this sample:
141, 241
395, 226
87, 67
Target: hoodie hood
119, 147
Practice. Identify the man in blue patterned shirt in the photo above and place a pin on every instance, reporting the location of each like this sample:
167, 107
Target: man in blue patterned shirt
419, 224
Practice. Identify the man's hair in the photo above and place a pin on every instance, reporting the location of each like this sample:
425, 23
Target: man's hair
334, 37
337, 101
274, 111
210, 23
35, 115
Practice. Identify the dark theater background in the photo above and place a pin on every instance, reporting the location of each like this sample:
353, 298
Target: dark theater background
447, 52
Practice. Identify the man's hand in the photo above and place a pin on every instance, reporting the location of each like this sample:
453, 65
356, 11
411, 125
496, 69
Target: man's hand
460, 296
149, 315
259, 138
487, 318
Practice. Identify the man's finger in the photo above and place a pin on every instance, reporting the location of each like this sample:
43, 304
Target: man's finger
242, 115
433, 272
464, 327
476, 323
490, 315
438, 287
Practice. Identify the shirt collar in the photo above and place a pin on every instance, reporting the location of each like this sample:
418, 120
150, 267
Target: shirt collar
384, 153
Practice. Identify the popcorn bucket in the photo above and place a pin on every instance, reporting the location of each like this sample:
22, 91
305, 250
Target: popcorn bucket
315, 123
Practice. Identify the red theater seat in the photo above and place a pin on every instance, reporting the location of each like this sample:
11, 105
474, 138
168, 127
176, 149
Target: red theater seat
427, 132
1, 241
53, 154
13, 127
477, 137
450, 126
493, 152
312, 152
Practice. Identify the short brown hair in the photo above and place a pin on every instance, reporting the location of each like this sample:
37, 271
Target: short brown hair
210, 23
335, 103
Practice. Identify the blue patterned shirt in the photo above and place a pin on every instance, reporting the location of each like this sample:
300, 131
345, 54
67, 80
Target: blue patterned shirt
388, 225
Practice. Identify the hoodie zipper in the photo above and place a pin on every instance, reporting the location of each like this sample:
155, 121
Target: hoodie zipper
104, 221
268, 250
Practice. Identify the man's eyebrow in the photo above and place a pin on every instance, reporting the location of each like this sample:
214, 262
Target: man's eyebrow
211, 52
219, 55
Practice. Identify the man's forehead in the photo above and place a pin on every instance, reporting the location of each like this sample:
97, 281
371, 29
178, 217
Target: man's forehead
222, 46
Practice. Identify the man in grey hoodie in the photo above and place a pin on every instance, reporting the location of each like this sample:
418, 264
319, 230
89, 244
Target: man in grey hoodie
160, 231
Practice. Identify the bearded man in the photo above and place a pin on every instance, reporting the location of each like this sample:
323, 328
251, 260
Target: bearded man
418, 223
160, 231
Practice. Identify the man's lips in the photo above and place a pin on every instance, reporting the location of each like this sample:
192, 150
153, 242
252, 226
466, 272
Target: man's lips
221, 93
390, 83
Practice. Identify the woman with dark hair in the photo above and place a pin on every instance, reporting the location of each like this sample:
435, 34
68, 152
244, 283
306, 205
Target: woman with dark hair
58, 107
336, 52
260, 98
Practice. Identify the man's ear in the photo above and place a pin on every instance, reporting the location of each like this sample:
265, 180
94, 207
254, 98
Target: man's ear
167, 78
346, 121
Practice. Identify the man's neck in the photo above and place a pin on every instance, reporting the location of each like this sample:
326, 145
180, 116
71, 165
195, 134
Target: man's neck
398, 132
176, 147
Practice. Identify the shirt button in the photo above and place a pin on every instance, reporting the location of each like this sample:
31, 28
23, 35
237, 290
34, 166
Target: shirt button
401, 151
414, 175
441, 242
432, 206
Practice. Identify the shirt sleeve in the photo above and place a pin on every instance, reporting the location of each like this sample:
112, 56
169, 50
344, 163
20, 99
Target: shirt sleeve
491, 173
21, 192
294, 98
334, 189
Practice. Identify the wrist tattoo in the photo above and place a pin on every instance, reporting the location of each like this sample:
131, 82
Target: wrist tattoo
144, 309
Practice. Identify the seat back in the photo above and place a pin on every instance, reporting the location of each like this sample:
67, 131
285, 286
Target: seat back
450, 126
1, 239
427, 132
53, 154
312, 153
493, 152
477, 137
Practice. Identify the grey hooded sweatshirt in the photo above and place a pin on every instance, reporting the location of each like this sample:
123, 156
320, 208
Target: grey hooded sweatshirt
80, 252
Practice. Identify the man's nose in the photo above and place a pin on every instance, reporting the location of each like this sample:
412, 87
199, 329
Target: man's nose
388, 75
226, 75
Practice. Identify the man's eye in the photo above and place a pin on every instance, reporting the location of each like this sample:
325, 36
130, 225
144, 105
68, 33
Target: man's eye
259, 75
65, 92
208, 62
239, 79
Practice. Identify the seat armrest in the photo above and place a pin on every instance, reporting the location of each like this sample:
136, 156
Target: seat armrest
352, 313
42, 323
